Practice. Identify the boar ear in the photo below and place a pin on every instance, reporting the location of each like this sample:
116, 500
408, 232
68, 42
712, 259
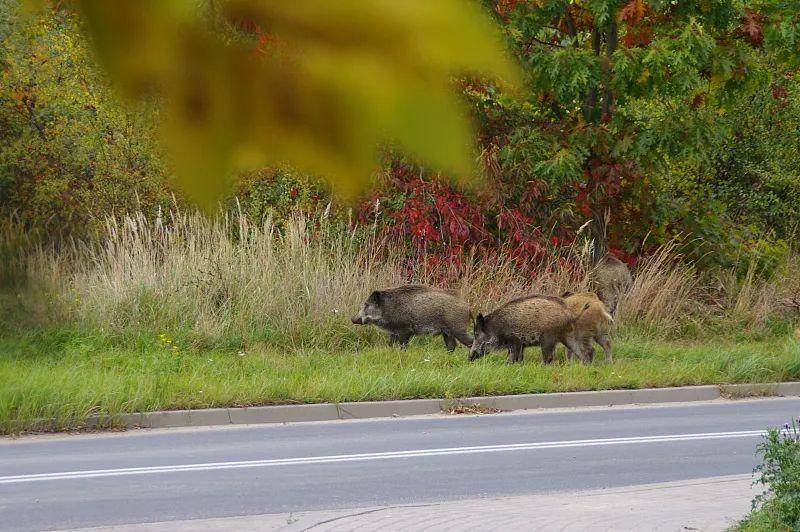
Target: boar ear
480, 321
377, 296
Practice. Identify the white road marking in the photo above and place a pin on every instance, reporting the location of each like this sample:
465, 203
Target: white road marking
415, 453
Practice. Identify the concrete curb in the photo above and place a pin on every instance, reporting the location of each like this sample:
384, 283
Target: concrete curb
416, 407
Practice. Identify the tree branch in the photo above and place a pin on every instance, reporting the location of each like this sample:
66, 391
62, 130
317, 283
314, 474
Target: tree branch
534, 39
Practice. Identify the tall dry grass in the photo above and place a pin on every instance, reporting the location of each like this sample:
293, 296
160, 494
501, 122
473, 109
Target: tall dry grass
226, 281
212, 279
663, 294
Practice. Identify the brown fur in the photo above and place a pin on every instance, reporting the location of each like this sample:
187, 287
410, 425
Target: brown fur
611, 278
409, 310
523, 322
594, 324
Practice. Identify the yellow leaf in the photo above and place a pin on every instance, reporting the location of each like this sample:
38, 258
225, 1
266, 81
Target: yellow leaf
365, 71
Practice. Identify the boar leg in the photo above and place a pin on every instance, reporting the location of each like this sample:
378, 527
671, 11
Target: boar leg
449, 341
588, 350
516, 353
548, 349
575, 346
605, 342
521, 353
401, 338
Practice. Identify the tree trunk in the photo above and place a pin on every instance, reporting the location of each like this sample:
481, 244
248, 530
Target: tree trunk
590, 105
611, 47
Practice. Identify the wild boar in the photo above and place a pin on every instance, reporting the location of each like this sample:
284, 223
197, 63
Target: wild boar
594, 324
611, 278
523, 322
415, 309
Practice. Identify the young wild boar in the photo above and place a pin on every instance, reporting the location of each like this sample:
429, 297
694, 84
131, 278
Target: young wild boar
594, 324
611, 278
417, 309
523, 322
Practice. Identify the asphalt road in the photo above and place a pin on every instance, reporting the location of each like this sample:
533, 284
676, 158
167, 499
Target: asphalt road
148, 476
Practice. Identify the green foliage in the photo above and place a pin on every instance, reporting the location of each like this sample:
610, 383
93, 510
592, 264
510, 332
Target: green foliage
618, 92
69, 153
779, 507
741, 202
279, 194
755, 171
595, 64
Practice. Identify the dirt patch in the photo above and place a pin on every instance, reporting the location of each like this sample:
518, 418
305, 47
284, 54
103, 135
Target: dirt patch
476, 408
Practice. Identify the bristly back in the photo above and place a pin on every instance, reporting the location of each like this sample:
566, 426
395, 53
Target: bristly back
611, 260
416, 288
554, 299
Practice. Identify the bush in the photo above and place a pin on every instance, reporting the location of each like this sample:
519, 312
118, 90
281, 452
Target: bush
278, 194
69, 152
754, 171
778, 508
741, 202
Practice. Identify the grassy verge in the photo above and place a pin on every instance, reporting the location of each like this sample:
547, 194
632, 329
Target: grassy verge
155, 313
68, 376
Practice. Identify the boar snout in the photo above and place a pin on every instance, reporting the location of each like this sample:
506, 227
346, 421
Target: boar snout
475, 354
358, 320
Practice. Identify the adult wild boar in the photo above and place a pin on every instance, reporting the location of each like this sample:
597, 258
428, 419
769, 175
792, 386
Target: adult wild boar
416, 309
595, 324
611, 278
523, 322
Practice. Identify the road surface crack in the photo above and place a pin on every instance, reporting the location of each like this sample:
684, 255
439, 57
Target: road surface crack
366, 512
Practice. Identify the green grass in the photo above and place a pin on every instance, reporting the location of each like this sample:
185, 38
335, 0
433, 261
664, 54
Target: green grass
764, 519
760, 521
67, 376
